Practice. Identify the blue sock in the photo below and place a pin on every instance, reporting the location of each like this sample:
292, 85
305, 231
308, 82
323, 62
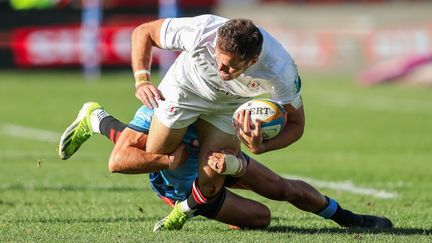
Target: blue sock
330, 209
341, 216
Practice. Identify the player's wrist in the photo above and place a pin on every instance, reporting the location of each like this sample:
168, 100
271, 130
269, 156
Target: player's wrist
234, 166
257, 149
141, 72
142, 77
242, 168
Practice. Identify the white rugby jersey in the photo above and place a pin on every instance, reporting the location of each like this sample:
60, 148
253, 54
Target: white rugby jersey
275, 72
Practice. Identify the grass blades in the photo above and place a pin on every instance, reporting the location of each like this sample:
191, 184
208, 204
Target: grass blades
372, 137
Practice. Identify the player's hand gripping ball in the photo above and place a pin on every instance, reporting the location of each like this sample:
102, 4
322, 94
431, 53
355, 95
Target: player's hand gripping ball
271, 114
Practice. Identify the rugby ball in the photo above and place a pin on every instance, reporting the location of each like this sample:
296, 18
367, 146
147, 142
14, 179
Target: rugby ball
272, 115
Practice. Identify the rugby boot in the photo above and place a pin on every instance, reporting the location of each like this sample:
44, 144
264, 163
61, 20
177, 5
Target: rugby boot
174, 221
372, 222
78, 132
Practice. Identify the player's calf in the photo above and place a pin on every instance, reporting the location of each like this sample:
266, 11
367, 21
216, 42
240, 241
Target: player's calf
244, 213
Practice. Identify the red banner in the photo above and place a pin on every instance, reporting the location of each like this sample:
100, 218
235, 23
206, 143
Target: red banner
61, 46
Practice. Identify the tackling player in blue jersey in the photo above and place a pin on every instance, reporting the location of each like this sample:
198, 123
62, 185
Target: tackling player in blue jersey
172, 176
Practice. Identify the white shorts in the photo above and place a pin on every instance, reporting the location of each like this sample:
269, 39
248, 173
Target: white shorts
182, 107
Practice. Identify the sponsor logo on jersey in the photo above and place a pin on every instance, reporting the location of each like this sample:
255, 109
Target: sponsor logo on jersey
253, 85
224, 91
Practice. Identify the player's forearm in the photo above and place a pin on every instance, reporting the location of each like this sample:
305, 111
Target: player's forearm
144, 37
291, 133
136, 161
141, 48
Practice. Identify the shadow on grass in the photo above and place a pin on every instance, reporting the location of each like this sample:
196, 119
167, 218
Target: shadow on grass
393, 231
272, 229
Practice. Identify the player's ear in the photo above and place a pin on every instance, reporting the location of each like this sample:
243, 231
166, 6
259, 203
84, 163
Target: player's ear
253, 60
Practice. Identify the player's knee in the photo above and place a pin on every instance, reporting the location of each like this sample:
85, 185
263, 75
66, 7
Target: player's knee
209, 189
263, 218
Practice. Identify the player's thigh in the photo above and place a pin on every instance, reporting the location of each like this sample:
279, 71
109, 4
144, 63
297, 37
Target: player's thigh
163, 139
212, 138
243, 212
173, 115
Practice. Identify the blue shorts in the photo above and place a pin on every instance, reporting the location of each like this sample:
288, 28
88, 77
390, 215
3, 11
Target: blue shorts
174, 185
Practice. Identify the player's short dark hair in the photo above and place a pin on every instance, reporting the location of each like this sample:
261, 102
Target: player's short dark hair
240, 36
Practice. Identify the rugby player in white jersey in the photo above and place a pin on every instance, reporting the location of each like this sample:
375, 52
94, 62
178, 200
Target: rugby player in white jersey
223, 63
171, 177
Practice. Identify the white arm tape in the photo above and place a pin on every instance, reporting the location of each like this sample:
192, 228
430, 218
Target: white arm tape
233, 165
142, 71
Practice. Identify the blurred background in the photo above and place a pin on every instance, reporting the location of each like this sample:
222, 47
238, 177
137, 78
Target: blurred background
363, 37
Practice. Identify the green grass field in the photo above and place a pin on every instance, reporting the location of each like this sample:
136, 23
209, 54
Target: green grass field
377, 138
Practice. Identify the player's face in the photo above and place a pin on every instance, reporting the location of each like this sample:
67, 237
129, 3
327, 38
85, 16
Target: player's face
230, 66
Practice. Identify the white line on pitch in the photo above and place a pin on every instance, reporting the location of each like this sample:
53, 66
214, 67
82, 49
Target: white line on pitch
49, 136
29, 133
345, 186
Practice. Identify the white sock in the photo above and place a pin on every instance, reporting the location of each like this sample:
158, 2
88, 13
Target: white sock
96, 117
185, 207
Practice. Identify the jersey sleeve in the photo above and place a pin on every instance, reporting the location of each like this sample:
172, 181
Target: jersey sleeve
185, 33
285, 81
289, 94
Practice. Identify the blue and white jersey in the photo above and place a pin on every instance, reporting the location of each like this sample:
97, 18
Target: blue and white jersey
174, 184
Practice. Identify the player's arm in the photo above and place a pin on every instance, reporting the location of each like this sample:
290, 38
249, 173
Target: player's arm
144, 37
129, 155
292, 131
249, 132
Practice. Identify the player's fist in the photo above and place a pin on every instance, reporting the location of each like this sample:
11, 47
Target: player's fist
216, 161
